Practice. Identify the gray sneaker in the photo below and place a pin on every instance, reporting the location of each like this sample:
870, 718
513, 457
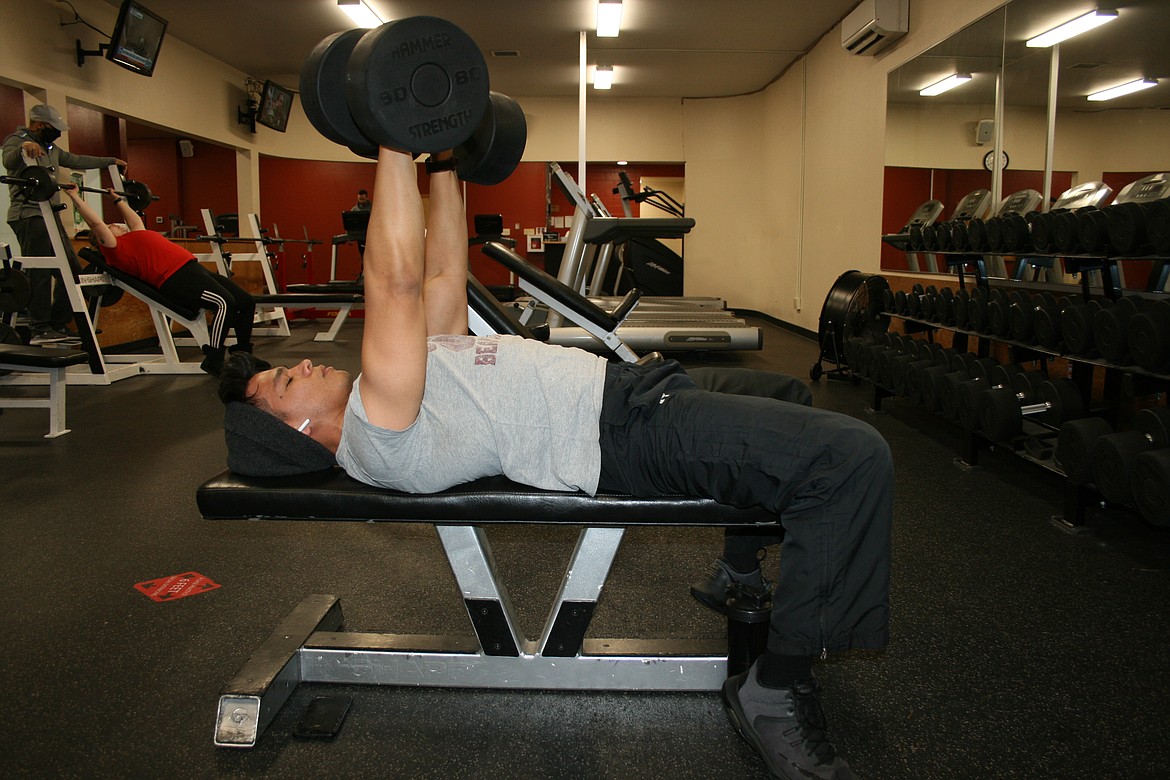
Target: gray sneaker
49, 337
786, 726
722, 582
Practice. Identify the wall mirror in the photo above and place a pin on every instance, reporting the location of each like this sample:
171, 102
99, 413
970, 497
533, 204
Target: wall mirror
1052, 135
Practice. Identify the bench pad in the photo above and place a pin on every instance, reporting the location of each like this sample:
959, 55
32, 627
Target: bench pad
333, 495
36, 357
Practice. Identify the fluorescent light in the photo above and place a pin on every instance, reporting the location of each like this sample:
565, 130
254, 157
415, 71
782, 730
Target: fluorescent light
1069, 29
609, 18
603, 77
361, 14
1124, 89
950, 82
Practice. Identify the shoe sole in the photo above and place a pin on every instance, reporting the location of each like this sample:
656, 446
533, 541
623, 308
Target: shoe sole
738, 718
709, 603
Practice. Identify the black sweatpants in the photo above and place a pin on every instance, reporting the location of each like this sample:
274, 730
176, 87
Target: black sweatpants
49, 307
828, 477
232, 307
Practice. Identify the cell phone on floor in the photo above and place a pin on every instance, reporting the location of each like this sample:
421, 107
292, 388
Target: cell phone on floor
323, 717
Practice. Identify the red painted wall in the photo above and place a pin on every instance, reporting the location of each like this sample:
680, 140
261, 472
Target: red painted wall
12, 113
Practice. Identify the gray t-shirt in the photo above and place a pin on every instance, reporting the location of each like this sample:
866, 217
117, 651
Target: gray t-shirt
492, 405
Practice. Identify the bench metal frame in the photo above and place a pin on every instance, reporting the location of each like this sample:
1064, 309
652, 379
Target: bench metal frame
309, 646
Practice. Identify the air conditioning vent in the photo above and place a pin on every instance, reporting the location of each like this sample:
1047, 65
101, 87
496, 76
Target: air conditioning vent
874, 25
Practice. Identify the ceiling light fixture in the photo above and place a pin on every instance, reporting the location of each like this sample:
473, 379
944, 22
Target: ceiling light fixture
603, 77
1124, 89
1069, 29
361, 14
609, 18
950, 82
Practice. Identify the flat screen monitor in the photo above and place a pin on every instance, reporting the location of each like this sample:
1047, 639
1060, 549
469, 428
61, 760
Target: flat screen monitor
138, 35
275, 103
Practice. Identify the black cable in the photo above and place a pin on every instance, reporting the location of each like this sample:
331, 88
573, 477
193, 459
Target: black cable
78, 20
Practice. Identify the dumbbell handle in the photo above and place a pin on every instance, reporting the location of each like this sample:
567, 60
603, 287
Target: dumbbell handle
1043, 406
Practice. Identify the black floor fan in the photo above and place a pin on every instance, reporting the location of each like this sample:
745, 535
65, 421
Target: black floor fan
852, 308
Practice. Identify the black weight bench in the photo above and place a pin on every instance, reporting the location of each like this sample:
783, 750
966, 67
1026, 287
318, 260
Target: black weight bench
342, 299
309, 646
54, 362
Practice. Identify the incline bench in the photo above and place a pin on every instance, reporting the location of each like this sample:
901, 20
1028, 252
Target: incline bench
309, 647
14, 357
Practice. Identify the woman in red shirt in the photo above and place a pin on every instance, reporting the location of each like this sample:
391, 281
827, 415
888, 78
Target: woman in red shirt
175, 273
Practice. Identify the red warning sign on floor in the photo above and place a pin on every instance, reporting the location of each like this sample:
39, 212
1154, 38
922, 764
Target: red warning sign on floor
177, 586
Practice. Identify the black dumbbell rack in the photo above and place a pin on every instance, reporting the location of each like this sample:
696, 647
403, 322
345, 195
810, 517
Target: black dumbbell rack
928, 311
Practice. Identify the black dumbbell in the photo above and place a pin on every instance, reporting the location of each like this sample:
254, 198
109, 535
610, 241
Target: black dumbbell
927, 303
1016, 235
993, 229
968, 369
930, 379
1093, 227
959, 235
959, 309
1002, 411
1076, 326
1114, 455
1127, 228
1046, 319
967, 394
1111, 328
1158, 226
1065, 233
917, 240
1149, 337
913, 350
370, 88
977, 310
1151, 486
976, 235
1022, 316
998, 303
1074, 447
1041, 231
946, 306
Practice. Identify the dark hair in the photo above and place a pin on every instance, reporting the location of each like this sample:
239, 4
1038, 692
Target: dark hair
362, 192
233, 381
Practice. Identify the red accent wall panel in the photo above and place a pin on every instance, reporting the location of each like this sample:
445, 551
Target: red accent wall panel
12, 113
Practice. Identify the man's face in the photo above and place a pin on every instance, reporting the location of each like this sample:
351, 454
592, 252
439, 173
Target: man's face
118, 228
302, 392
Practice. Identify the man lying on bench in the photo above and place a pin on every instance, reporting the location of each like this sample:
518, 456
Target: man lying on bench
434, 407
175, 273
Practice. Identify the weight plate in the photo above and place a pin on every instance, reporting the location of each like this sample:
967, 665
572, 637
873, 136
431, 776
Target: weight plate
15, 290
494, 150
1074, 447
323, 92
1151, 486
1154, 424
418, 84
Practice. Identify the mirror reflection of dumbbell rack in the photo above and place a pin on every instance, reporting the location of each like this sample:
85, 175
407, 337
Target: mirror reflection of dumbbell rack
1123, 344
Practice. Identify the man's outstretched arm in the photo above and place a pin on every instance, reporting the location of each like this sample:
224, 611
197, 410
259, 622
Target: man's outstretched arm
445, 290
394, 347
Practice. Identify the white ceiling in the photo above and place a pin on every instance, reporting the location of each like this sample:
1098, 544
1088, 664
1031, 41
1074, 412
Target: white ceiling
1134, 46
667, 48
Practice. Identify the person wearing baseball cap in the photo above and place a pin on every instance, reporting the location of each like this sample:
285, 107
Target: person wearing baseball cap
49, 310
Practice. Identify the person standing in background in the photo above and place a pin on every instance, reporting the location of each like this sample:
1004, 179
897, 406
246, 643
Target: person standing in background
49, 310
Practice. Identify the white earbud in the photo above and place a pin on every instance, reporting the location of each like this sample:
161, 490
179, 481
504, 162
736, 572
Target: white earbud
304, 425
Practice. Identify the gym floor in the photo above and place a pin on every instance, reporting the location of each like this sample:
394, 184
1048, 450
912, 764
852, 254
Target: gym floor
1018, 649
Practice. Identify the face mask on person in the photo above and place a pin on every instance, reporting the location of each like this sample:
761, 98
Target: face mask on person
48, 135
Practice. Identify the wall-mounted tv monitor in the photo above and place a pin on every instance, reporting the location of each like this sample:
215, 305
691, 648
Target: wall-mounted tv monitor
275, 103
137, 37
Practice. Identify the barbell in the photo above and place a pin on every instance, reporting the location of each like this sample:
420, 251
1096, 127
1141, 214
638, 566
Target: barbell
418, 84
37, 184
